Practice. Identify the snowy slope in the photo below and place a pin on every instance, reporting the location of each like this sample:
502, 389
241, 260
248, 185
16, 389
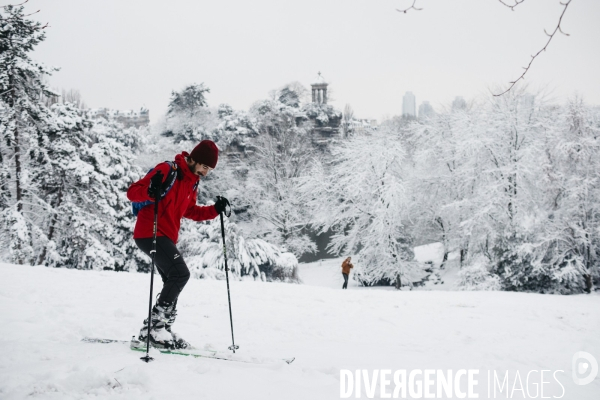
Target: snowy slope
46, 312
325, 273
328, 272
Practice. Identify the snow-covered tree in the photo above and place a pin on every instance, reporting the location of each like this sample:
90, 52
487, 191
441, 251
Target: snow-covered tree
235, 130
348, 121
513, 180
82, 174
23, 116
570, 238
189, 119
114, 170
283, 154
189, 101
292, 95
508, 139
442, 183
363, 195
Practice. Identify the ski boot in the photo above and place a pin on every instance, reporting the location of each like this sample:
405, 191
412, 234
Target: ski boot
159, 336
178, 341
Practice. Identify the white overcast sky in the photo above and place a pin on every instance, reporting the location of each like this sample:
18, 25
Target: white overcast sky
125, 54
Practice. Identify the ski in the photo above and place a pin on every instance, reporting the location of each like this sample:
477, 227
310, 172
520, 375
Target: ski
136, 345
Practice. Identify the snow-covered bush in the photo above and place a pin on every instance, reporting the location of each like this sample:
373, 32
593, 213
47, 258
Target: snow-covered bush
234, 129
208, 273
16, 232
477, 276
203, 248
324, 114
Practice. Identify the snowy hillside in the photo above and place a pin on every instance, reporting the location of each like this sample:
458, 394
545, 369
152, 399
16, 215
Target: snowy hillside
328, 273
46, 312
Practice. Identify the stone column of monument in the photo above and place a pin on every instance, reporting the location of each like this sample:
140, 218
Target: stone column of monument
319, 90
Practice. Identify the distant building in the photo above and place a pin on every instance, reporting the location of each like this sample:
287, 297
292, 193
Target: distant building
426, 110
409, 105
459, 104
128, 118
361, 126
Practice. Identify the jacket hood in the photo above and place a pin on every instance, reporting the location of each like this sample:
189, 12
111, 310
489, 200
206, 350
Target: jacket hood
182, 164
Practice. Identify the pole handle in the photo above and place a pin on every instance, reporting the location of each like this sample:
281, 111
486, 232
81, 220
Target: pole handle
228, 204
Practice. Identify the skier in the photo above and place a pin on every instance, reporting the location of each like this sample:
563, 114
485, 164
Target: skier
177, 199
346, 265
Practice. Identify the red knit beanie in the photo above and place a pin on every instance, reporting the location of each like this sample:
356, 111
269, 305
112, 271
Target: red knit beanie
206, 152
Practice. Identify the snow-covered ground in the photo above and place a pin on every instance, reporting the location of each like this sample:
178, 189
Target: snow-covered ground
45, 313
328, 272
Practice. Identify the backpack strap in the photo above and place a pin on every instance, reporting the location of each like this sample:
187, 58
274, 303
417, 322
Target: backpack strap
167, 185
170, 181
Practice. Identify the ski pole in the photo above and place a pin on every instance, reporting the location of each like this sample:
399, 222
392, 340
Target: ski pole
233, 347
147, 357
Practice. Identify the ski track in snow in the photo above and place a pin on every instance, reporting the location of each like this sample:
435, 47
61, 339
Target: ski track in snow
46, 312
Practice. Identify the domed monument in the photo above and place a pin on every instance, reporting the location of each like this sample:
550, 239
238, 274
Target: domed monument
319, 90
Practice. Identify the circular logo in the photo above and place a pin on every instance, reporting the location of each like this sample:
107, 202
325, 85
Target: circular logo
584, 368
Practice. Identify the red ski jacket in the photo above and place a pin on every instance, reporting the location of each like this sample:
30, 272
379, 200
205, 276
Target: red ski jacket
179, 202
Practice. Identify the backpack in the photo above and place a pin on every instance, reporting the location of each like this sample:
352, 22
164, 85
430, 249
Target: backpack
136, 206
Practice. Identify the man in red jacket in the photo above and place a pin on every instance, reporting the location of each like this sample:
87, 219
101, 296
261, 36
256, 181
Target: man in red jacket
179, 201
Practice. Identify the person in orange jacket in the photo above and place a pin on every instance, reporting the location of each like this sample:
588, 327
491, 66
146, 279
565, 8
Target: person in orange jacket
346, 266
178, 202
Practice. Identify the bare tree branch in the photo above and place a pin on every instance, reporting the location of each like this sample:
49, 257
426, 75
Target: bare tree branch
517, 2
9, 90
550, 36
16, 5
414, 8
27, 15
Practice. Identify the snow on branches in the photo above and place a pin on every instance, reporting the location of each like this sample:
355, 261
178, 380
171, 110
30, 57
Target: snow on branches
203, 246
364, 197
514, 180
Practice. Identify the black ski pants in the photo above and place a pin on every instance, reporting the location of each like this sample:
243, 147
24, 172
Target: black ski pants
345, 286
170, 266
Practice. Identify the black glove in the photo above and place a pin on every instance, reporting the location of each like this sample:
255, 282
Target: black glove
221, 204
155, 185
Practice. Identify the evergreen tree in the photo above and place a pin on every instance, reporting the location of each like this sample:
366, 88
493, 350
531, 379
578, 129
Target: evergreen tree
23, 118
292, 94
83, 174
189, 101
110, 154
188, 117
